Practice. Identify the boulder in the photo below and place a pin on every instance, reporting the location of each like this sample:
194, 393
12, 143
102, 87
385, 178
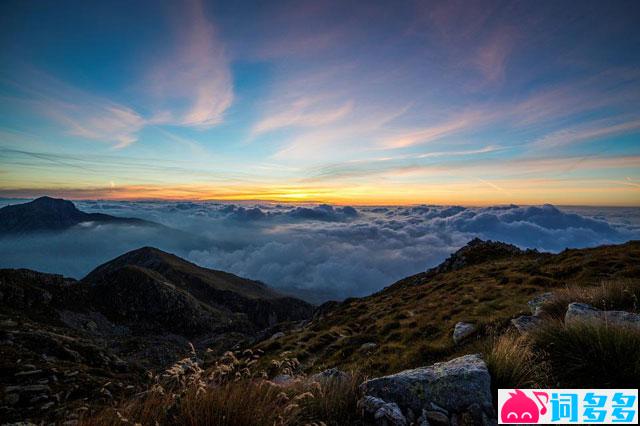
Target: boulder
582, 312
461, 386
330, 374
462, 331
526, 323
380, 412
536, 303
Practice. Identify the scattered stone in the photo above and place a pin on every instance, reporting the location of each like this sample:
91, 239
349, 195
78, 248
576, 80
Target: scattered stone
582, 312
282, 379
369, 346
8, 323
277, 335
536, 303
383, 413
462, 385
47, 405
27, 373
27, 388
91, 326
526, 323
330, 374
463, 330
436, 418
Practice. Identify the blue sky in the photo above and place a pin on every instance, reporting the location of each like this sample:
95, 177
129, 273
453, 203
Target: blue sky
345, 102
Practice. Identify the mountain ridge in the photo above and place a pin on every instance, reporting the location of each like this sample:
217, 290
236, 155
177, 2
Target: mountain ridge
47, 214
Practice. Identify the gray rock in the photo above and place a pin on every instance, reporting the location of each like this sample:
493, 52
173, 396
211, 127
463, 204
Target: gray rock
582, 312
277, 335
436, 418
526, 323
330, 374
463, 330
282, 379
422, 420
456, 386
368, 346
28, 388
536, 303
383, 413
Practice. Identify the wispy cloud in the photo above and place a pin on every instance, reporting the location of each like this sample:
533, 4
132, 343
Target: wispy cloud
491, 57
190, 86
80, 112
598, 130
193, 82
453, 125
304, 112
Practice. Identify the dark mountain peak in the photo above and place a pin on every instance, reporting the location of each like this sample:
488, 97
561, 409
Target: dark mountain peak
145, 257
46, 200
42, 214
217, 289
478, 251
46, 214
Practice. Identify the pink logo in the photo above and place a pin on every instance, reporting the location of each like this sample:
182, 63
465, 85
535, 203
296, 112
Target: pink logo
519, 408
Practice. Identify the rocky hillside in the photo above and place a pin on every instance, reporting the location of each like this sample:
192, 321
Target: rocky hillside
411, 322
63, 341
47, 214
68, 348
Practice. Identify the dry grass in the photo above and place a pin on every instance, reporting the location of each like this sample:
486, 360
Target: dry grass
609, 295
232, 393
411, 321
514, 363
591, 354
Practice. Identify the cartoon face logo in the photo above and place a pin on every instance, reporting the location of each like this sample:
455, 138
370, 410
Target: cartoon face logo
519, 408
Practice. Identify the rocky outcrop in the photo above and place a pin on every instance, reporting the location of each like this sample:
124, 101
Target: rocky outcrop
462, 331
478, 251
537, 302
526, 323
460, 388
579, 313
381, 413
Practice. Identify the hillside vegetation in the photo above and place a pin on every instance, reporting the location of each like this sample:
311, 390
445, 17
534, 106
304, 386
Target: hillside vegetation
410, 323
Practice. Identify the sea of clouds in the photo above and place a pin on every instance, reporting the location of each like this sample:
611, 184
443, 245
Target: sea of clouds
319, 251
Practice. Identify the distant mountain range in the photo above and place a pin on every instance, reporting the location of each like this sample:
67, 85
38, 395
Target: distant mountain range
47, 214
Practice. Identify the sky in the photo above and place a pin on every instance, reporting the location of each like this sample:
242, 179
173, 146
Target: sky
344, 102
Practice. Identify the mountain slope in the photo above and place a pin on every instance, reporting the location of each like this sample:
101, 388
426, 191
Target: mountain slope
53, 214
218, 290
64, 341
410, 323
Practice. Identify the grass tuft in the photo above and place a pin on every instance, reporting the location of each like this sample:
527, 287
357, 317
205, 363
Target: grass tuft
514, 363
590, 354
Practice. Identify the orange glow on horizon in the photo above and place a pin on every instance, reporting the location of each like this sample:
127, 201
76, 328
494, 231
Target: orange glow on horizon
480, 193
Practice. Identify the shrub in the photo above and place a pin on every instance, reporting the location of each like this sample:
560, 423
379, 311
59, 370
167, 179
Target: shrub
591, 354
513, 363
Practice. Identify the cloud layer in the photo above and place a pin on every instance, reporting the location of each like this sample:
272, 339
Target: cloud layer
326, 251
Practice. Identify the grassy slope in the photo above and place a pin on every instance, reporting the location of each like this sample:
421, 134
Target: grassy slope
411, 322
